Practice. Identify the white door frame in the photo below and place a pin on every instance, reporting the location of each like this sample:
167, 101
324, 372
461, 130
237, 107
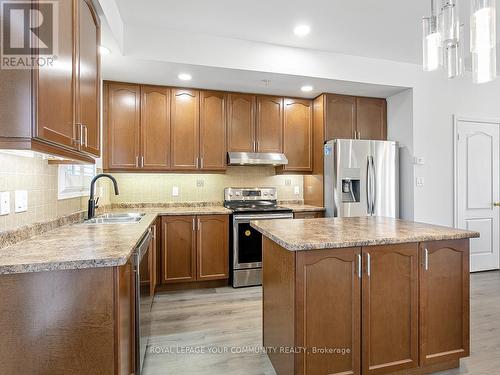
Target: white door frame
456, 119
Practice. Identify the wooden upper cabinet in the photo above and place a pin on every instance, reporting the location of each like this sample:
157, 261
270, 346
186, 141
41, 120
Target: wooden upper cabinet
178, 248
444, 301
123, 116
390, 308
269, 124
297, 135
155, 128
213, 152
213, 247
184, 131
241, 123
328, 306
55, 87
340, 114
371, 114
88, 99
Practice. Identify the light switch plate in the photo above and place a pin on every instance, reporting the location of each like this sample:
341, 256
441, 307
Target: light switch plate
200, 182
420, 181
175, 191
21, 200
419, 160
288, 181
296, 190
4, 203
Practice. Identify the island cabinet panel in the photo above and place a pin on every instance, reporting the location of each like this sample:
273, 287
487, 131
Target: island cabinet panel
179, 248
123, 117
184, 141
213, 130
125, 318
390, 308
371, 114
297, 135
269, 124
241, 123
212, 247
328, 306
155, 128
444, 301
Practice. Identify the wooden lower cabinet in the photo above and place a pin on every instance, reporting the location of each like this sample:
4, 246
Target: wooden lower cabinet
444, 301
388, 309
328, 319
308, 215
195, 248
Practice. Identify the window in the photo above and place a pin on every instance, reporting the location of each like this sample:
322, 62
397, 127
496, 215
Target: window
74, 180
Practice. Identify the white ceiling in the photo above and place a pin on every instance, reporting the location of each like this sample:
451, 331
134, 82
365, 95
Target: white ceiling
384, 29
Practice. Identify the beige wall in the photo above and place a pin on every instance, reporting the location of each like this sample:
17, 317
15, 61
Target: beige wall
149, 188
34, 174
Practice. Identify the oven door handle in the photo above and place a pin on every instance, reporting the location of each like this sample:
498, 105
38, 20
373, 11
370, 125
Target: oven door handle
262, 217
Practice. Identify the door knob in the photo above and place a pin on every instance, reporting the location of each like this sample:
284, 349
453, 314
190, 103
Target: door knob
496, 204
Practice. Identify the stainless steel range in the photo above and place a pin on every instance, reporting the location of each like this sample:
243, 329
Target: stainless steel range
250, 204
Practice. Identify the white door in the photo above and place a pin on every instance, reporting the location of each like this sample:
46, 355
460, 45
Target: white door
477, 189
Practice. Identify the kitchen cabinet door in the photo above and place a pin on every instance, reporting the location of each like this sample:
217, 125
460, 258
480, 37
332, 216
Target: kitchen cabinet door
213, 154
444, 301
184, 131
371, 118
297, 135
88, 99
328, 306
340, 117
178, 248
269, 124
213, 247
241, 123
155, 128
55, 87
308, 215
390, 308
123, 116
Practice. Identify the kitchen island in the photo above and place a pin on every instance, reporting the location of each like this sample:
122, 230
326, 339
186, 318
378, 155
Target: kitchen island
366, 295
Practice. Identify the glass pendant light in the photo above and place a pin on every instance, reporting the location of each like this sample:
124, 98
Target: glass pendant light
448, 22
483, 40
431, 42
454, 56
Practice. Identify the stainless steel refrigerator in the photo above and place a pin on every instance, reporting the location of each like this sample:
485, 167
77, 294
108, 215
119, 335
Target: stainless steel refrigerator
361, 178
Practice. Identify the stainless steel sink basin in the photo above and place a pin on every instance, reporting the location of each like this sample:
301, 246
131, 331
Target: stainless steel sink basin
116, 218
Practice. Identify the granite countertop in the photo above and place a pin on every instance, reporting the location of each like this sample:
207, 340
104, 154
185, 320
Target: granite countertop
328, 233
79, 245
298, 207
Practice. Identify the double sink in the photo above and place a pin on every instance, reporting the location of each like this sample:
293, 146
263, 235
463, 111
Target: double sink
116, 218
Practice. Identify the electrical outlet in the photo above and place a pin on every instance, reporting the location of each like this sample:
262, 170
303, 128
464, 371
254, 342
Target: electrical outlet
420, 181
296, 190
418, 160
4, 203
200, 183
175, 191
288, 181
21, 200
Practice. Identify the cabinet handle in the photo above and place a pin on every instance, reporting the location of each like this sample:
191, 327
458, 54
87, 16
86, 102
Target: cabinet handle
142, 161
199, 224
137, 161
86, 135
426, 259
359, 266
359, 135
201, 162
368, 264
194, 225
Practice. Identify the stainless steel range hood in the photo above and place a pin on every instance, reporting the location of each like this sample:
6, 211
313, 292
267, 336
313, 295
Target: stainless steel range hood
256, 158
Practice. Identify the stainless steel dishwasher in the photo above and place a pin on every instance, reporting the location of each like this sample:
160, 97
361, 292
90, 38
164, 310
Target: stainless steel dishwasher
143, 299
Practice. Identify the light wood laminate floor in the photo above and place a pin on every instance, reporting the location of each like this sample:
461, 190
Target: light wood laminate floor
232, 318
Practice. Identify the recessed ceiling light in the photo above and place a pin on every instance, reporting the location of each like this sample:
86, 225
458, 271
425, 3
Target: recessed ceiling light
184, 77
307, 88
302, 30
104, 50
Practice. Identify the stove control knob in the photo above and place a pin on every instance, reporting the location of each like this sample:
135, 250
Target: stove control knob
265, 194
238, 193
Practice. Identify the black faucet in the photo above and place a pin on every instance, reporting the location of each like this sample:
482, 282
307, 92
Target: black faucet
92, 201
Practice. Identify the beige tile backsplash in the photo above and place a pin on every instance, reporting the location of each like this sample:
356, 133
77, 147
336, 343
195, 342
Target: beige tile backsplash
152, 188
34, 174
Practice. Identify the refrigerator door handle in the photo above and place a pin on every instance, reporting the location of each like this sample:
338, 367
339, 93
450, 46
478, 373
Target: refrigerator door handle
369, 186
374, 185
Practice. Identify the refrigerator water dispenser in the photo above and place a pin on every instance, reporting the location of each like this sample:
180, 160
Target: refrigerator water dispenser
350, 190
